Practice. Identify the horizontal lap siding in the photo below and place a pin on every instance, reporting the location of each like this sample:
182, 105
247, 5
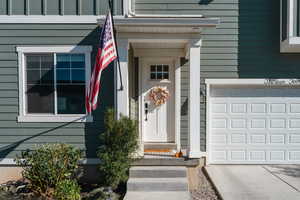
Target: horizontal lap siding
219, 53
58, 7
14, 136
259, 43
244, 45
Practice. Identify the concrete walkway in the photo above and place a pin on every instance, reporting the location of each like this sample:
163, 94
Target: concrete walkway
256, 182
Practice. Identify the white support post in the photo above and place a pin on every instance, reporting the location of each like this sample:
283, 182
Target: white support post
177, 103
122, 95
194, 99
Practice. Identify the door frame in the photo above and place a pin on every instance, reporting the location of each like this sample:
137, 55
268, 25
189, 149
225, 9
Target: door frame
177, 91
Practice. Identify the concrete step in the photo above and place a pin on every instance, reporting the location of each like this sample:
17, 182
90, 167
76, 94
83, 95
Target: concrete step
154, 161
157, 184
158, 172
157, 196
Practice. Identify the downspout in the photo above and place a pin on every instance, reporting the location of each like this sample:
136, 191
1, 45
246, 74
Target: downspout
131, 14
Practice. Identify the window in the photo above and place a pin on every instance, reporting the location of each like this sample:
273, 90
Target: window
290, 26
159, 72
53, 83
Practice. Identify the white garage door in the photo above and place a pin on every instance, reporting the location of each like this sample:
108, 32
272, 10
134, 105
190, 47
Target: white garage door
254, 125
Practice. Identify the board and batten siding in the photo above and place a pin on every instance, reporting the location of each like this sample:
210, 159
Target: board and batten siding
246, 43
15, 136
58, 7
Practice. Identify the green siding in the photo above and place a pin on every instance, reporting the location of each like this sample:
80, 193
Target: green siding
36, 7
58, 7
219, 53
246, 44
15, 136
53, 7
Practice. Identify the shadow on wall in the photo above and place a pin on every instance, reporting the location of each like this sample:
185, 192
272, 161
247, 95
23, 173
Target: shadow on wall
205, 2
90, 131
259, 44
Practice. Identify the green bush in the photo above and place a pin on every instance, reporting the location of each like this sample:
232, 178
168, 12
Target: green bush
48, 165
119, 142
67, 190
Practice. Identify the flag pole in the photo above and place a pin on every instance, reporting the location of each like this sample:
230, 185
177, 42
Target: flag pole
114, 35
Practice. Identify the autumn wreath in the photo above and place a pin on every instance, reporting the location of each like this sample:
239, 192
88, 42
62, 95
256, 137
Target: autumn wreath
159, 95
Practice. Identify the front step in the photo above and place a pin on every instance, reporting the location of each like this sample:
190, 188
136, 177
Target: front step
157, 184
157, 196
165, 161
158, 172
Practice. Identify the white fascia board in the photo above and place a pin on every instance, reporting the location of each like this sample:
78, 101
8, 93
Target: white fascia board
51, 19
237, 81
164, 21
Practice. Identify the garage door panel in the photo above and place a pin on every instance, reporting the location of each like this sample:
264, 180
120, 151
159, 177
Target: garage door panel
251, 156
257, 125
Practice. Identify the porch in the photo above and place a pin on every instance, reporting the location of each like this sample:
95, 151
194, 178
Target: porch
164, 54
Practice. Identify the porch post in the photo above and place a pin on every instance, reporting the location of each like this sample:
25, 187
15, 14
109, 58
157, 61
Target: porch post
194, 99
122, 95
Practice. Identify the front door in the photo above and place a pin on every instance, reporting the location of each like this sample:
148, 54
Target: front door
158, 119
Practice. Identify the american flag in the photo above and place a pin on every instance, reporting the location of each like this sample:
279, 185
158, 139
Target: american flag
106, 54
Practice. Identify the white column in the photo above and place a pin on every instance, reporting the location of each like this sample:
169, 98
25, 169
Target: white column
194, 99
122, 99
177, 102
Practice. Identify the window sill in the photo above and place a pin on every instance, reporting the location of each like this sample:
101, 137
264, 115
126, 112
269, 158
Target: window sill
60, 118
290, 45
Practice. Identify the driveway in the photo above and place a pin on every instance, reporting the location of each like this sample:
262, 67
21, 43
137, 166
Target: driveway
256, 182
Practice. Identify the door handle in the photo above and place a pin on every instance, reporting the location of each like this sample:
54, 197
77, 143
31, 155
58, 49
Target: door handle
146, 110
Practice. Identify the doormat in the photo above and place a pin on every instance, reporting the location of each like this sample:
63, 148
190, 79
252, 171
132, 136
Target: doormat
160, 152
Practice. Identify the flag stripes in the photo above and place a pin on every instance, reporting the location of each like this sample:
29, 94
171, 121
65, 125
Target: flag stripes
106, 54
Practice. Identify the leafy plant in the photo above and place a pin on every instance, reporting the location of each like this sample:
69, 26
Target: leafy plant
67, 190
48, 165
119, 142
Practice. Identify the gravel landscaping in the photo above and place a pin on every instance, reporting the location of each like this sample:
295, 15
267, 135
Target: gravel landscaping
205, 190
19, 190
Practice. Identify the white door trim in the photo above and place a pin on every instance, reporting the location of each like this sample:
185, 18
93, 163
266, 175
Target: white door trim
176, 61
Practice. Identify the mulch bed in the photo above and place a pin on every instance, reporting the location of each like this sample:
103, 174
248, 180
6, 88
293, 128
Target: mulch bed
205, 190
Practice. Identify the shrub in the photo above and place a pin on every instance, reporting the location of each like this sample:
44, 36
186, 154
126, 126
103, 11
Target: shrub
67, 190
48, 165
119, 142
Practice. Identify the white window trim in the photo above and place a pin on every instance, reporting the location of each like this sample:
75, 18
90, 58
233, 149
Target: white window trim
57, 19
23, 117
292, 43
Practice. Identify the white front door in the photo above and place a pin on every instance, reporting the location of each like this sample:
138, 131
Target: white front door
158, 121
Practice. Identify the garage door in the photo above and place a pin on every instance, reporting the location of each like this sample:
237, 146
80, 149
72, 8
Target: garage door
254, 125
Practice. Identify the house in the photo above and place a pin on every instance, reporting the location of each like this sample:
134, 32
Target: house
230, 68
